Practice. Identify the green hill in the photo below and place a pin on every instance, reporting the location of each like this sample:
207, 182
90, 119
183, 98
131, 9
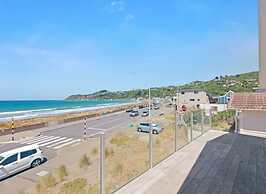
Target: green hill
246, 82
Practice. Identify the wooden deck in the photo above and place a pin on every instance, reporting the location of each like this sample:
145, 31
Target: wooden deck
230, 164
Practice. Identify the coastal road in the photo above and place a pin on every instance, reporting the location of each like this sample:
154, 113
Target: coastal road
106, 123
60, 136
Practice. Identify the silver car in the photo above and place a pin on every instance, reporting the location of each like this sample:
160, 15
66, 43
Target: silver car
145, 127
19, 159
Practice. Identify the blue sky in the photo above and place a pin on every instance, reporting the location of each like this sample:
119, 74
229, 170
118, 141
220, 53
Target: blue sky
50, 49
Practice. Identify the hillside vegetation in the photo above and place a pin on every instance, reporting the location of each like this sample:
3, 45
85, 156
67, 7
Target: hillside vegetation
246, 82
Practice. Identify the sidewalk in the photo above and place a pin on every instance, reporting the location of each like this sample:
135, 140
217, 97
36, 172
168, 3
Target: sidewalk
169, 175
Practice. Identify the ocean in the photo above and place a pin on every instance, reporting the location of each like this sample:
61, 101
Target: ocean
37, 108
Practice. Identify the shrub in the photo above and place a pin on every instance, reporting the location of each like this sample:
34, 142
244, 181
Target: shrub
120, 140
93, 189
108, 152
94, 151
77, 186
84, 162
62, 172
44, 183
23, 192
118, 169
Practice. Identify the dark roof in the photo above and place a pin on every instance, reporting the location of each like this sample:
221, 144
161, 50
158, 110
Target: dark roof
248, 101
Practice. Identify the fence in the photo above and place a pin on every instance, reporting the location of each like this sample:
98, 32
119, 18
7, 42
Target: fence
124, 148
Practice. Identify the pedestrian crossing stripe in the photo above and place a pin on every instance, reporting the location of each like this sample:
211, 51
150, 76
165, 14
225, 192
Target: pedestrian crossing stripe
53, 142
50, 142
56, 144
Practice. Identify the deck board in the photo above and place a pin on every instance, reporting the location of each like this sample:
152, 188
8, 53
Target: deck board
230, 164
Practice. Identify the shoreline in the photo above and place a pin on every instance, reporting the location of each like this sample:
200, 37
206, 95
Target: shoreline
44, 121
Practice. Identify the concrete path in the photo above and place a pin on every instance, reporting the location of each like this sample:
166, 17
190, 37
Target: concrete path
168, 176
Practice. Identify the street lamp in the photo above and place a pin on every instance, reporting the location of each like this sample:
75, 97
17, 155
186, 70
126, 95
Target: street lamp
150, 135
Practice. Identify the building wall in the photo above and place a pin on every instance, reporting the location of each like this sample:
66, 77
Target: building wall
187, 98
262, 43
214, 107
252, 120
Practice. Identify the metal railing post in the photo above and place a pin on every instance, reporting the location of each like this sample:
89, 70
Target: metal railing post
176, 117
202, 121
12, 129
102, 161
191, 123
236, 122
85, 128
210, 119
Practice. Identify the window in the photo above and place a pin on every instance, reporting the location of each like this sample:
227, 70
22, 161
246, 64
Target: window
10, 160
192, 99
182, 92
196, 92
27, 153
198, 99
145, 124
1, 158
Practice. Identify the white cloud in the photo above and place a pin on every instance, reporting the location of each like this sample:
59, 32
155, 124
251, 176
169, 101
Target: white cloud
129, 17
117, 6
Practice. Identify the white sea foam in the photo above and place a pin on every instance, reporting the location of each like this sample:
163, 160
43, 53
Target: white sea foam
19, 115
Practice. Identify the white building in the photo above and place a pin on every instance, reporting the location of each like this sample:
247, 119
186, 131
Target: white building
191, 98
251, 107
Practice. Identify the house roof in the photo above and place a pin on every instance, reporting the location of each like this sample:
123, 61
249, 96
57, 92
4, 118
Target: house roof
248, 101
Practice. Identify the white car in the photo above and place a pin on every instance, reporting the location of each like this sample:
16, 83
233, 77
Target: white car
19, 159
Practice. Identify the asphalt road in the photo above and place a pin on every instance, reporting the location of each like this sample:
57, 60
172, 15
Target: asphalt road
105, 123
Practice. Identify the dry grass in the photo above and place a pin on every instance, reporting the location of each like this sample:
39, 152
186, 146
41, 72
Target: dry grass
120, 140
94, 152
45, 183
77, 186
108, 152
84, 161
93, 189
62, 173
127, 161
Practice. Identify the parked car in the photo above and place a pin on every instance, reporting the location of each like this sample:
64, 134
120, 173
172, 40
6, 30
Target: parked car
19, 159
145, 127
156, 107
134, 113
145, 113
129, 110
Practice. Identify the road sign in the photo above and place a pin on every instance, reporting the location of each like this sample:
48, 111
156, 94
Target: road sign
184, 108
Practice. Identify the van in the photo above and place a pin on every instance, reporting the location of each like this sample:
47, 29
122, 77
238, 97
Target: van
19, 159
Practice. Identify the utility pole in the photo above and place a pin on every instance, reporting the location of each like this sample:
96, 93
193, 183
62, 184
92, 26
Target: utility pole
102, 162
150, 135
177, 116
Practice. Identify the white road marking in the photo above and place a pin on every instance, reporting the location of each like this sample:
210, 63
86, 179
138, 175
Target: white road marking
63, 145
58, 143
33, 139
46, 140
42, 173
37, 139
76, 144
51, 142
